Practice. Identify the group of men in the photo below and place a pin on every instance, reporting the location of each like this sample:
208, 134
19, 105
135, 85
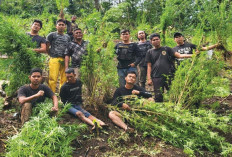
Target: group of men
152, 60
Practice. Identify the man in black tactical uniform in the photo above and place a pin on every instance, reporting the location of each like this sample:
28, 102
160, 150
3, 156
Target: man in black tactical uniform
128, 56
144, 45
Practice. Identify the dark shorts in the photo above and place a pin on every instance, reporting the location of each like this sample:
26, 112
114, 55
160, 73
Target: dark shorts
75, 108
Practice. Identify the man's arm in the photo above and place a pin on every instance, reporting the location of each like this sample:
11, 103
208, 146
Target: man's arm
23, 99
49, 40
47, 47
63, 95
55, 103
178, 55
42, 49
66, 61
149, 81
142, 93
208, 47
138, 56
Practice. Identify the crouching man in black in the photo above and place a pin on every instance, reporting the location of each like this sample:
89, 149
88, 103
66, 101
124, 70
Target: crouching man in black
71, 92
119, 98
35, 92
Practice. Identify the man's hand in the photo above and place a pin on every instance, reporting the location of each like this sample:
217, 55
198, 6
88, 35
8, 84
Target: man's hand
40, 93
149, 81
132, 65
126, 107
135, 92
55, 109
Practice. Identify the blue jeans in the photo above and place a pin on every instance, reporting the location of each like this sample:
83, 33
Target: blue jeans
122, 74
75, 108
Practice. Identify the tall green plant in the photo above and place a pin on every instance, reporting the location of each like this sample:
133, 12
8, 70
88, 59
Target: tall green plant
16, 44
194, 80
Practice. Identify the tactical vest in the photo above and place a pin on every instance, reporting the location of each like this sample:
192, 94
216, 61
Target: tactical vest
125, 52
144, 48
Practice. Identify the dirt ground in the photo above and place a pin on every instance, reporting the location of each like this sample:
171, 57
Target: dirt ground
112, 141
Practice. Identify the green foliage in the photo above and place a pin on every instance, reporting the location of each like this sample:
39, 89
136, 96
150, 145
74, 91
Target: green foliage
196, 80
4, 67
98, 68
117, 17
98, 71
43, 136
16, 44
61, 4
192, 131
28, 8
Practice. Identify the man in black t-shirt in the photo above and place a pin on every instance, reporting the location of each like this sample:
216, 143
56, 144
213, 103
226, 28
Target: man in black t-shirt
35, 92
160, 66
71, 92
123, 95
40, 41
184, 47
144, 45
128, 56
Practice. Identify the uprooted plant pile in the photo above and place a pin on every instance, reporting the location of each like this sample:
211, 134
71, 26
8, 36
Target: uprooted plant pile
43, 136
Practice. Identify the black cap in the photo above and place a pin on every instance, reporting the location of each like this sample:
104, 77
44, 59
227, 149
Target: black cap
177, 34
70, 70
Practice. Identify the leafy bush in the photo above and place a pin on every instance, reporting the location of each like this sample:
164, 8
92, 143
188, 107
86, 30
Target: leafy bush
43, 136
16, 44
195, 80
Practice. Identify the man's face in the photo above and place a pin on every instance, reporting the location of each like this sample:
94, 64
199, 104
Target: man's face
35, 26
70, 77
74, 18
155, 41
125, 36
78, 34
60, 26
141, 35
130, 79
179, 39
35, 78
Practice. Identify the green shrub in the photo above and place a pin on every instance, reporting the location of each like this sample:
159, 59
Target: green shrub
16, 44
43, 136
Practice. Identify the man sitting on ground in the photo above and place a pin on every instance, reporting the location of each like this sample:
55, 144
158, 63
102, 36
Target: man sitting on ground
35, 92
71, 92
119, 95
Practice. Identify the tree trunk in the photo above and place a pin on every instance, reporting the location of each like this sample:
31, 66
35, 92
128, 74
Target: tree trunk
97, 6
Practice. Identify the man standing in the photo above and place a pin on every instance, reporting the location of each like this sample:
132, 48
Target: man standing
159, 66
71, 26
123, 95
35, 92
58, 42
184, 47
40, 41
71, 92
76, 49
144, 45
128, 56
